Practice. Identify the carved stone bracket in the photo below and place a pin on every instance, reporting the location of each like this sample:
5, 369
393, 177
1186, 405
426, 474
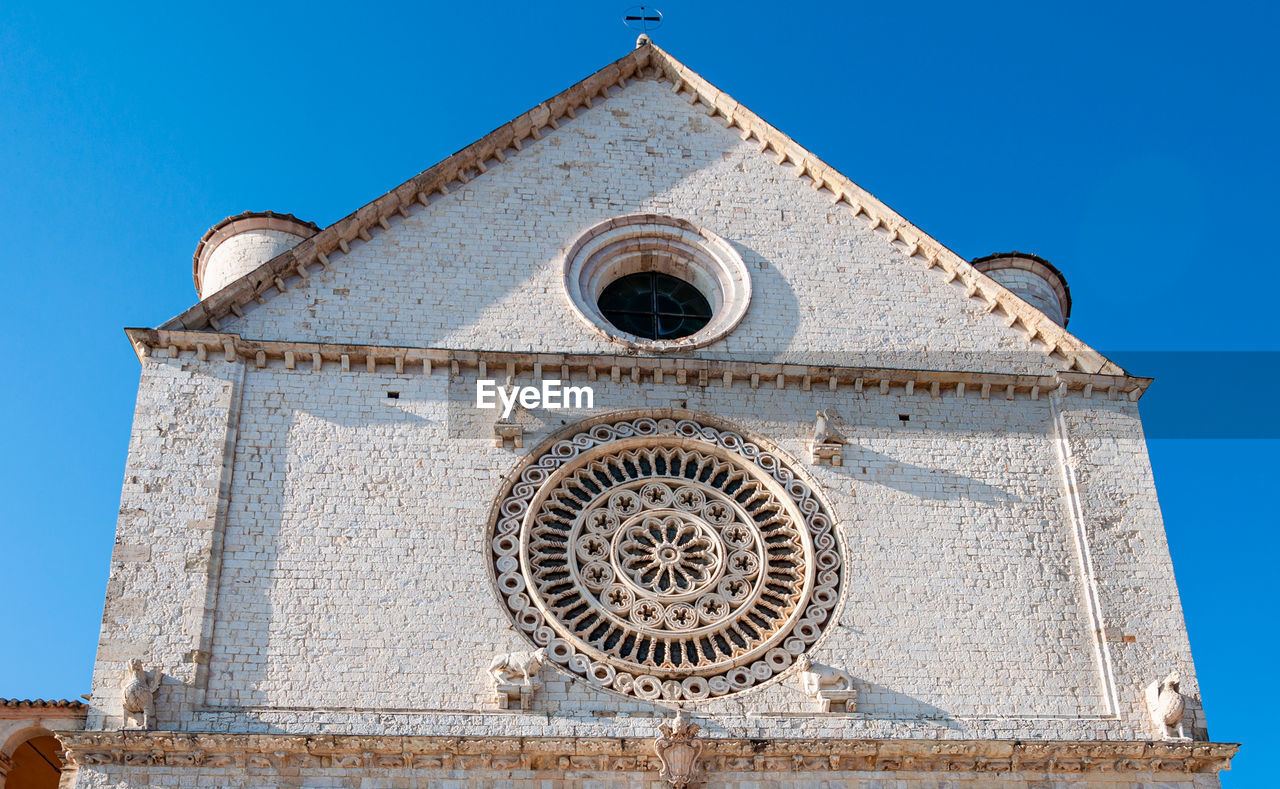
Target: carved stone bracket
821, 452
838, 700
515, 695
832, 687
827, 445
514, 676
508, 432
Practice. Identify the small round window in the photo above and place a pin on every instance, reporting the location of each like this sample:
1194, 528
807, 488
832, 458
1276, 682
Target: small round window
656, 283
655, 306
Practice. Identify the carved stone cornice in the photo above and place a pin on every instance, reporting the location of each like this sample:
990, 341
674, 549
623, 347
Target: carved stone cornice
274, 752
307, 356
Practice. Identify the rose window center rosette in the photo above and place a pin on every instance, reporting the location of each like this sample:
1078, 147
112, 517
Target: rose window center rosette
665, 558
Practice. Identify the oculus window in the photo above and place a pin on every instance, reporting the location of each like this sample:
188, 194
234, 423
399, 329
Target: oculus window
655, 306
656, 283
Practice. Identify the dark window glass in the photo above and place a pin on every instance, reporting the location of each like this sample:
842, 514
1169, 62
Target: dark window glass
656, 306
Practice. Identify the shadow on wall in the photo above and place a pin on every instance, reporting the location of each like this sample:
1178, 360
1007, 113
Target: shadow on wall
919, 481
881, 701
774, 311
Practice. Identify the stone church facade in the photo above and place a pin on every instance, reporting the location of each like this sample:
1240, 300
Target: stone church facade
819, 501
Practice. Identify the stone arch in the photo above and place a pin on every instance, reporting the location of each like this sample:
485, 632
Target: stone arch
31, 758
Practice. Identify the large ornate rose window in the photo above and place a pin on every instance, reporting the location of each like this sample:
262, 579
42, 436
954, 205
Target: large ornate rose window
665, 559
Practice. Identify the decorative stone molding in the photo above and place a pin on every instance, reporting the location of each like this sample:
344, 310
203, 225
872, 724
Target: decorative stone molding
204, 346
649, 242
833, 688
634, 550
255, 752
678, 748
515, 678
1167, 706
137, 696
647, 62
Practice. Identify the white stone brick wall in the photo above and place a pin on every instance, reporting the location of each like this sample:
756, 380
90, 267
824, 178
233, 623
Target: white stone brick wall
299, 553
354, 569
158, 604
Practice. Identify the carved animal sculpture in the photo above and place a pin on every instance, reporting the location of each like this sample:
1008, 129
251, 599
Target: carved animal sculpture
138, 694
1171, 704
823, 432
507, 669
814, 679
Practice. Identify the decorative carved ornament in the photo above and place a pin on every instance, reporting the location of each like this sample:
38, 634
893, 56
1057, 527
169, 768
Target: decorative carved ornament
678, 748
665, 558
515, 678
275, 752
1167, 706
833, 688
827, 445
137, 696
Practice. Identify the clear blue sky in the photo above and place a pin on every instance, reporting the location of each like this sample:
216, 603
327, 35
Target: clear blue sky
1134, 145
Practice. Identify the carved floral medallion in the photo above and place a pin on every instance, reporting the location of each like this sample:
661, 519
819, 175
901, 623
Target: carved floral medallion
665, 558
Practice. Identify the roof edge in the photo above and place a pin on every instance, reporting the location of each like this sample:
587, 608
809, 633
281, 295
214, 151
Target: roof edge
43, 704
470, 162
436, 179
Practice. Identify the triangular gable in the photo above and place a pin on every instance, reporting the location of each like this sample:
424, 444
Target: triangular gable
1065, 350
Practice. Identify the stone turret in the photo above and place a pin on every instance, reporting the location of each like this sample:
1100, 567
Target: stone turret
1031, 278
239, 244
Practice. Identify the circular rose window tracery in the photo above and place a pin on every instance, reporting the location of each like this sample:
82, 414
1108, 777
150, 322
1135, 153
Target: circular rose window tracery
665, 558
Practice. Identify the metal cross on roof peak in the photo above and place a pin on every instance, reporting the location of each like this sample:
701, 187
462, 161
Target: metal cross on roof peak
644, 19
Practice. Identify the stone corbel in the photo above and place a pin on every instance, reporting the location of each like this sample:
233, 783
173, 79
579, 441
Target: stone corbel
827, 445
515, 695
830, 700
821, 452
832, 688
504, 432
515, 680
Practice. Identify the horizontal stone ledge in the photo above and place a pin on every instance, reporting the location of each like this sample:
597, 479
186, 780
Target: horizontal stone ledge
684, 371
276, 752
